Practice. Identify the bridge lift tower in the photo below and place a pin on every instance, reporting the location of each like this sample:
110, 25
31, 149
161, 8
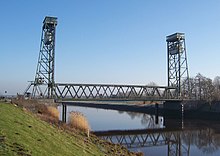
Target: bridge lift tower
178, 74
43, 84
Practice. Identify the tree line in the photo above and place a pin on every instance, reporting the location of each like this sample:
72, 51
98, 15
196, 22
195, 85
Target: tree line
202, 88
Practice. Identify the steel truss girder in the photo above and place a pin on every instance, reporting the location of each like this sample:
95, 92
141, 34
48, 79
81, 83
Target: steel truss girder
113, 92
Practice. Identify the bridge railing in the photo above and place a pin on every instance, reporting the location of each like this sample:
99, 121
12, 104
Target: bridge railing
113, 92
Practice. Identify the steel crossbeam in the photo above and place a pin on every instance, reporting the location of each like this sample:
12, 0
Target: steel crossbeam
113, 92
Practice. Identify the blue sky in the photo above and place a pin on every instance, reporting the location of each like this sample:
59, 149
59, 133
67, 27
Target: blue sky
107, 41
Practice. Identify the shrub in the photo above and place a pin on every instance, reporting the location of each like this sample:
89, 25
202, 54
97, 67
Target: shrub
79, 121
53, 111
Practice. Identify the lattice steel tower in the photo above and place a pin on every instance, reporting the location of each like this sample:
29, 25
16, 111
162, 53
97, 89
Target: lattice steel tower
43, 84
178, 74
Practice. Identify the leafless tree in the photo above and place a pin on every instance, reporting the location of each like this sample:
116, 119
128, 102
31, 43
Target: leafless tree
216, 84
201, 87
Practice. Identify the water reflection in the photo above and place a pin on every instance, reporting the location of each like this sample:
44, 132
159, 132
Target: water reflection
102, 119
200, 141
155, 135
203, 135
146, 120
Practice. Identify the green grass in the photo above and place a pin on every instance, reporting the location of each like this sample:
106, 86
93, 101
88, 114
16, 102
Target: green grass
22, 133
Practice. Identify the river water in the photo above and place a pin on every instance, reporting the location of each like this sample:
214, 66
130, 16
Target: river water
154, 136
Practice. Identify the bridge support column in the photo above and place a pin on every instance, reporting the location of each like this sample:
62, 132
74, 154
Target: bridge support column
64, 108
173, 109
156, 113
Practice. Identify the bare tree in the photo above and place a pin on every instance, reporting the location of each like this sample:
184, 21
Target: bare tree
204, 87
216, 84
200, 87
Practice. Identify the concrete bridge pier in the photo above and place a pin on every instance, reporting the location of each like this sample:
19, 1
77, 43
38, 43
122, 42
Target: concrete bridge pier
173, 109
156, 113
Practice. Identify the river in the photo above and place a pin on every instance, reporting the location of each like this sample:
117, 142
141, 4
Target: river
154, 135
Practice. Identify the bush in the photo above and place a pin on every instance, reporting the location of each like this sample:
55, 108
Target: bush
79, 121
53, 111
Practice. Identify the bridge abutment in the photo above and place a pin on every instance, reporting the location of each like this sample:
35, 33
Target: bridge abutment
196, 109
173, 109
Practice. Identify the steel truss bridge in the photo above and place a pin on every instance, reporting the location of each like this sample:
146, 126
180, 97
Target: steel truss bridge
44, 85
148, 138
113, 92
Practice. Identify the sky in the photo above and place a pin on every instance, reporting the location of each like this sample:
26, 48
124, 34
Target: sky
107, 41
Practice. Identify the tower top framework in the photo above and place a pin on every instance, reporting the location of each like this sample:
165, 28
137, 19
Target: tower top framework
178, 74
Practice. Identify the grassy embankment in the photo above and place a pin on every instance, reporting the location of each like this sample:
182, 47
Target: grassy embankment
24, 133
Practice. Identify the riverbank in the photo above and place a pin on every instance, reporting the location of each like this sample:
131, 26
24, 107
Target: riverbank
26, 133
